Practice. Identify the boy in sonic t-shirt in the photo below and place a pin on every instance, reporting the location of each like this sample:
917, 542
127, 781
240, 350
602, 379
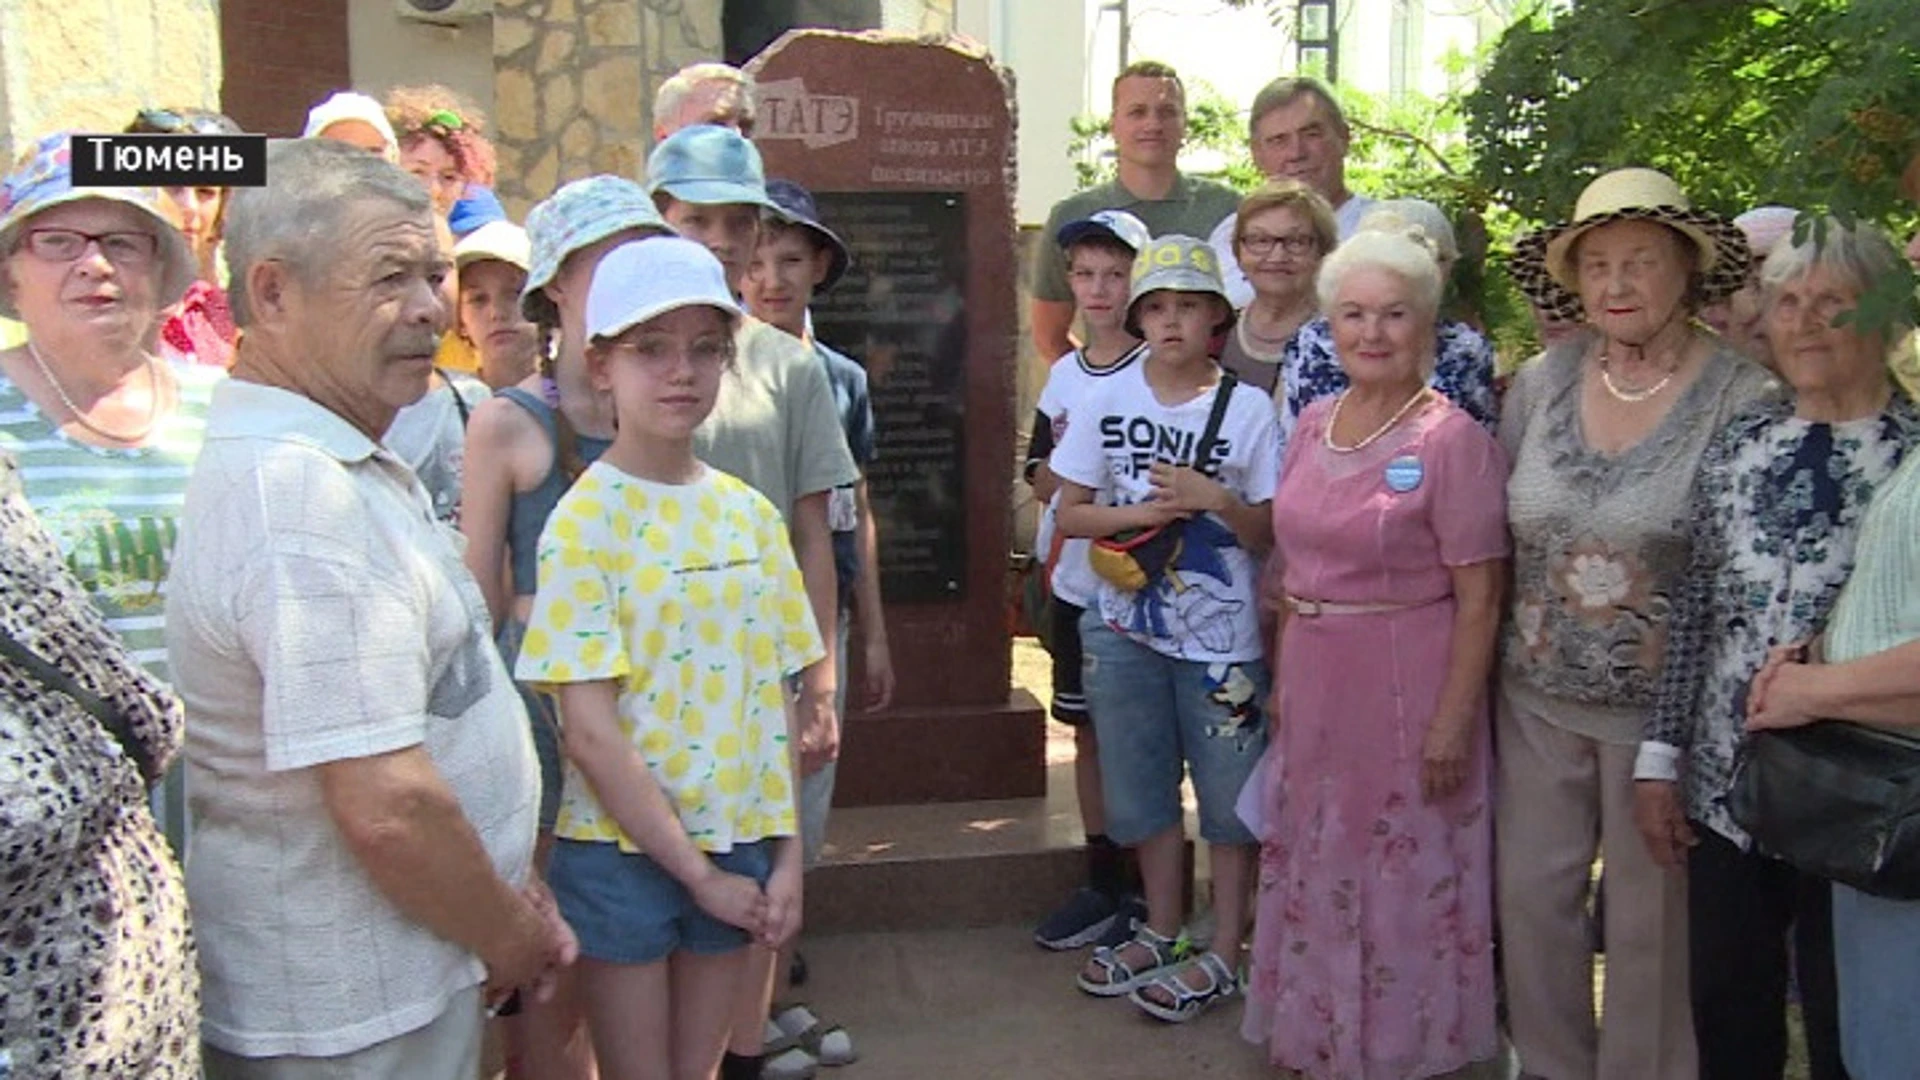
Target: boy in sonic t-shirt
1176, 678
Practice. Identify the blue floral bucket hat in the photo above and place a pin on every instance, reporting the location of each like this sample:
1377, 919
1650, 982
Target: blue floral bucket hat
578, 215
43, 179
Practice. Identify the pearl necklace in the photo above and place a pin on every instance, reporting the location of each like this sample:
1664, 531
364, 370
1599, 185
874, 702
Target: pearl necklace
1333, 418
1632, 397
153, 404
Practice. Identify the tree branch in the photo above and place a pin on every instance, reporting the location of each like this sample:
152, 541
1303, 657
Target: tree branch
1407, 137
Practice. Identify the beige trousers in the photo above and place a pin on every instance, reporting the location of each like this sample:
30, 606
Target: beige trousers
447, 1049
1560, 796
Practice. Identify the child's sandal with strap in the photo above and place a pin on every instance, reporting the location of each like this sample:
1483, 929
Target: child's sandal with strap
1186, 1002
1119, 977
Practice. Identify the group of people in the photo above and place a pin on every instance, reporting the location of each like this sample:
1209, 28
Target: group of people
1511, 632
499, 584
412, 485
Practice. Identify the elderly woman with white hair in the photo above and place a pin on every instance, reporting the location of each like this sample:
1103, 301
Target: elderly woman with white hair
1462, 365
1373, 946
1777, 508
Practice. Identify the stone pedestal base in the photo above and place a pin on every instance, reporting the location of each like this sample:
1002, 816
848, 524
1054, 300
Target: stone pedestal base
946, 754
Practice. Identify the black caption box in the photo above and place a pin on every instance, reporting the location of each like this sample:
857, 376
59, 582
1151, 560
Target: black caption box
169, 160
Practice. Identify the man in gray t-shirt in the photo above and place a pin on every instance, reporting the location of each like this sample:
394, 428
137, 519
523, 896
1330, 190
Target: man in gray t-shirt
1149, 125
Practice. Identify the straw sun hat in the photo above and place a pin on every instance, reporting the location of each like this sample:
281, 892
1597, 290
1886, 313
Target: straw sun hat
1543, 261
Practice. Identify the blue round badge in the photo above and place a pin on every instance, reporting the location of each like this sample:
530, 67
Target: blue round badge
1405, 473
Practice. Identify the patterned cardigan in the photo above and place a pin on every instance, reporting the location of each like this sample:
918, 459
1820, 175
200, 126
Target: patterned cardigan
1777, 509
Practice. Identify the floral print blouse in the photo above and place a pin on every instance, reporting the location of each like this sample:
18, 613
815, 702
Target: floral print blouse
1601, 540
1462, 370
1776, 512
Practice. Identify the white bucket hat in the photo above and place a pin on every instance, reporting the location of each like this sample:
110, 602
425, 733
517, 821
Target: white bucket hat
348, 105
502, 240
1180, 264
644, 279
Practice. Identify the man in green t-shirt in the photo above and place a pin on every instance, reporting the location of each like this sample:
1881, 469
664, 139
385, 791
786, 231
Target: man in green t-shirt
1149, 125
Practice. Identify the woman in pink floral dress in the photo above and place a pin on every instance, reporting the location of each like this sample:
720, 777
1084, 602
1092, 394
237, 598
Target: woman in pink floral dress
1372, 956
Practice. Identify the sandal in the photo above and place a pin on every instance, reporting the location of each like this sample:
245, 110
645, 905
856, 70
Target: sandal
1119, 976
791, 1064
1222, 983
829, 1044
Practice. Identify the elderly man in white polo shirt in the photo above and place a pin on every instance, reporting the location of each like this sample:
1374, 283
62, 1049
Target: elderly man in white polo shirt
363, 783
1296, 130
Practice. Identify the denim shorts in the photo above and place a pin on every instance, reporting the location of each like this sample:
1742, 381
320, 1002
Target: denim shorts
1156, 717
625, 909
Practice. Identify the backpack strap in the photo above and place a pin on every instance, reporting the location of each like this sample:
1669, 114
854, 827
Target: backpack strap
1210, 435
459, 400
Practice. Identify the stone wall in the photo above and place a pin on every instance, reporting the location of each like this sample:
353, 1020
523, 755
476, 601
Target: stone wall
92, 64
574, 82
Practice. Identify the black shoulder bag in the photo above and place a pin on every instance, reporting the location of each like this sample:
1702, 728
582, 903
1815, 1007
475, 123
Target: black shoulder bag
1834, 799
54, 679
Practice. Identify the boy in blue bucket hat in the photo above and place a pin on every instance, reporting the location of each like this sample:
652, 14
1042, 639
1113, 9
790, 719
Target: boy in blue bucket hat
774, 426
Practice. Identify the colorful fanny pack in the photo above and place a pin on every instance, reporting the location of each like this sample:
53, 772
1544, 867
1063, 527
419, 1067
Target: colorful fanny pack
1133, 559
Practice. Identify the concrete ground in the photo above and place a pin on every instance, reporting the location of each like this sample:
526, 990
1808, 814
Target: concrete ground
989, 1005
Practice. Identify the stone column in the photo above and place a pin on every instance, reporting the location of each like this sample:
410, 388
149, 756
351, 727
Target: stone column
574, 82
92, 63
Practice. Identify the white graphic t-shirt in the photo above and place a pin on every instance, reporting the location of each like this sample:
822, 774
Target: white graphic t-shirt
1203, 607
1069, 385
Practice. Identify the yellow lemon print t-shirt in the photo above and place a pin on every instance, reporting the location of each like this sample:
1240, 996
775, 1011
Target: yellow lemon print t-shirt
690, 597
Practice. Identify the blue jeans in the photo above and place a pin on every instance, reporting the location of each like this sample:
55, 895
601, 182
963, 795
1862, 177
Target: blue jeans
1876, 953
1158, 717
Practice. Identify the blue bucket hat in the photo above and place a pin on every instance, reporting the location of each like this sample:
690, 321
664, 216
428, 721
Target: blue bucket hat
580, 214
44, 180
794, 205
711, 166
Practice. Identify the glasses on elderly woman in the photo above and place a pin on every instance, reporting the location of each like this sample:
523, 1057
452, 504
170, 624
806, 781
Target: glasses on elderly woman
1262, 244
128, 249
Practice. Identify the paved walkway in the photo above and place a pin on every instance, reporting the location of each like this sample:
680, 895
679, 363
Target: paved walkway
989, 1005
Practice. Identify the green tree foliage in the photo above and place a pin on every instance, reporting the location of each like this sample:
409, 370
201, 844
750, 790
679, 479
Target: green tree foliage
1412, 146
1805, 102
1809, 103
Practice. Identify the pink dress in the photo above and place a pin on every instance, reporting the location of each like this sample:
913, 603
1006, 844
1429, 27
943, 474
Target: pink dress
1373, 945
